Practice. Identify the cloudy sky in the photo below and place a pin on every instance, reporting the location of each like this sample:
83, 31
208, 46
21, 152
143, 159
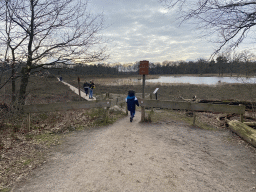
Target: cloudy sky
145, 30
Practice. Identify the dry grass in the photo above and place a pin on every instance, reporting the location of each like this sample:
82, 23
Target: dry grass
205, 120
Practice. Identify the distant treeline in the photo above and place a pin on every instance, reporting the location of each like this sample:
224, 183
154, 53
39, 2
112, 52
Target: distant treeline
201, 66
84, 70
205, 67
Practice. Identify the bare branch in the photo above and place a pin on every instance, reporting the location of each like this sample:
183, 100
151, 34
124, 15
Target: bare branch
230, 19
51, 30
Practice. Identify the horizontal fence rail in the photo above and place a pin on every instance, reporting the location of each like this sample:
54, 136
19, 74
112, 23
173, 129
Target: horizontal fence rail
38, 108
220, 108
120, 98
52, 107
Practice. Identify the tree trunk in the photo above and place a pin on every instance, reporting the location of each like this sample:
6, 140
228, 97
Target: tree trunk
23, 85
13, 85
24, 82
13, 80
26, 70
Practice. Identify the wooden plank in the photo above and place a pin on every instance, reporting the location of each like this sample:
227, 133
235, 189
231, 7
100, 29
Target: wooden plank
251, 124
244, 131
194, 106
218, 108
118, 99
248, 104
166, 104
38, 108
139, 95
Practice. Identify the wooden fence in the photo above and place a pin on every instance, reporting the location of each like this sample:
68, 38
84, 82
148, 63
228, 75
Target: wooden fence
220, 108
119, 99
40, 108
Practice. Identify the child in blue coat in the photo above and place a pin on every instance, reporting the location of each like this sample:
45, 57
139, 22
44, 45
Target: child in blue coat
131, 101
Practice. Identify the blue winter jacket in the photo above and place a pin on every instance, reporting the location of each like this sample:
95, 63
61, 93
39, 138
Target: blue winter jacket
131, 102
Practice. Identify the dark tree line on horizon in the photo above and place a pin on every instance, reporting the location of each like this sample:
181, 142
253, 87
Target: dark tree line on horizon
220, 66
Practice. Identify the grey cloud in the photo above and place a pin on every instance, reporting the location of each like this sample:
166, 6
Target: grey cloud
143, 30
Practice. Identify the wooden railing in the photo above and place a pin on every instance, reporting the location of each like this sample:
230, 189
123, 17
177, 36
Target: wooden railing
220, 108
40, 108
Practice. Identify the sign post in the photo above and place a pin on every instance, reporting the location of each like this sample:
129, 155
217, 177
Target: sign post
78, 80
155, 92
144, 68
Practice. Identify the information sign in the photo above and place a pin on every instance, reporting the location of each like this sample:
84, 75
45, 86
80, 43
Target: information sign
144, 68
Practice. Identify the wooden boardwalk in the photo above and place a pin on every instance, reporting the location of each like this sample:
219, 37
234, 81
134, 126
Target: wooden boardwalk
74, 89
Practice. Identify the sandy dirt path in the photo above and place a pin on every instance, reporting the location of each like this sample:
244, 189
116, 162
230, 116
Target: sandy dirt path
147, 157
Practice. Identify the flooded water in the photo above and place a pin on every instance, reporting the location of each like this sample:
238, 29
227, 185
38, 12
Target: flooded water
183, 79
201, 80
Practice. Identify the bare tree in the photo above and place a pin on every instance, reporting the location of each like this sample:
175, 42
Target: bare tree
246, 57
50, 31
230, 19
10, 39
221, 62
232, 60
239, 61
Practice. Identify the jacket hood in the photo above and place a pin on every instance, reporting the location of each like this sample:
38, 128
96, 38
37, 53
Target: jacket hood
130, 97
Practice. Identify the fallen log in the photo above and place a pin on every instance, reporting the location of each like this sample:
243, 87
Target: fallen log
251, 124
248, 105
245, 132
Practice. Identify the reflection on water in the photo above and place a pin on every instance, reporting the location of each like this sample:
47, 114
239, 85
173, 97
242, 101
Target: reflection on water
201, 80
130, 81
184, 79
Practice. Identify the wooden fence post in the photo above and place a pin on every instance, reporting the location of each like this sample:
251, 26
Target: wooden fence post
28, 121
106, 114
241, 115
79, 91
150, 115
194, 118
143, 96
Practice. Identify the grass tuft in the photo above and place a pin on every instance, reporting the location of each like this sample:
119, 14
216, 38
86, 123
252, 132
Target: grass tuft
5, 190
165, 115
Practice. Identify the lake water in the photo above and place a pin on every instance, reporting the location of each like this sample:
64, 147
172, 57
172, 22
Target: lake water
201, 80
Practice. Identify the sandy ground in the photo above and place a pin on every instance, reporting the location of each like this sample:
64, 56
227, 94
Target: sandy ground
147, 157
